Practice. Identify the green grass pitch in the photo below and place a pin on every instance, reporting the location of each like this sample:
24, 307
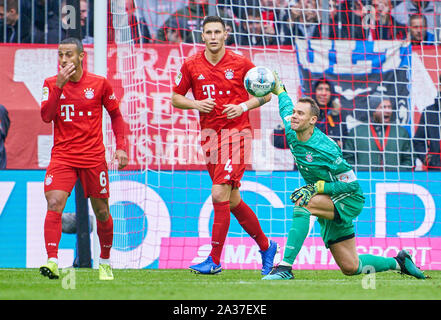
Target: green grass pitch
149, 284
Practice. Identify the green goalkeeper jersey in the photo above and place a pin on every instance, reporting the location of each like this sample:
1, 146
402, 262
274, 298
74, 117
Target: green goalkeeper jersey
319, 158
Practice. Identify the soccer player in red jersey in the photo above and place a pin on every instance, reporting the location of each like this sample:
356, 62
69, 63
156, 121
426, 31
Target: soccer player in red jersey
73, 101
215, 76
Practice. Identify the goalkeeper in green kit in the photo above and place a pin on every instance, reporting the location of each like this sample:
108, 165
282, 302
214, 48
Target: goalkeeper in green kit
332, 194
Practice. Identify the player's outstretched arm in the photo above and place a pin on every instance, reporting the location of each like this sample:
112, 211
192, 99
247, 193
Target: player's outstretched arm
181, 102
285, 103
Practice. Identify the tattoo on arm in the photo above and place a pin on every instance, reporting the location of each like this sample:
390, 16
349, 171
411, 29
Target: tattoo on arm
261, 100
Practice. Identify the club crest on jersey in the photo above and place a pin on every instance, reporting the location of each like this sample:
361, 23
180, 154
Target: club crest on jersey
229, 74
88, 93
309, 157
48, 180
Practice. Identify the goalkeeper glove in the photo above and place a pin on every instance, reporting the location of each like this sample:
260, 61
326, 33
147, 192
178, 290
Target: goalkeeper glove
279, 87
305, 193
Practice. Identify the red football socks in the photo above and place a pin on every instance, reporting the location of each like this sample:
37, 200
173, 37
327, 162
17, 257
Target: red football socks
249, 222
105, 235
52, 233
219, 232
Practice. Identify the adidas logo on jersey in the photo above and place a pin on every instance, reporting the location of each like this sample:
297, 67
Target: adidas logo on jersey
103, 191
227, 177
201, 77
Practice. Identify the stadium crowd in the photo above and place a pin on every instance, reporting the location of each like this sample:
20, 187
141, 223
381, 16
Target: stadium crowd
378, 142
251, 22
279, 23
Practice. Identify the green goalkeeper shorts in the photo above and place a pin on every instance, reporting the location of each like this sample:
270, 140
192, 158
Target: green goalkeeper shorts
341, 227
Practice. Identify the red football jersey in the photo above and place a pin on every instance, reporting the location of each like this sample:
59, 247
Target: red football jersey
222, 82
78, 136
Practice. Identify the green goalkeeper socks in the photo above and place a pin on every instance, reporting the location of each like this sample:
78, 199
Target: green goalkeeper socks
369, 263
296, 235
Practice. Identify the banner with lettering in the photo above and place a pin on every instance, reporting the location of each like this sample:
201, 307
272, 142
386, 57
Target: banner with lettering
359, 71
169, 224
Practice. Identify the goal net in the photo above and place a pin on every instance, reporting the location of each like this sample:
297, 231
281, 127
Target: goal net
372, 66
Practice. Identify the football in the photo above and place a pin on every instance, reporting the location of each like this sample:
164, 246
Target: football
259, 81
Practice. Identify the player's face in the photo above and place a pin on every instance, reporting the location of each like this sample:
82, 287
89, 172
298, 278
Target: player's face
68, 53
214, 35
302, 119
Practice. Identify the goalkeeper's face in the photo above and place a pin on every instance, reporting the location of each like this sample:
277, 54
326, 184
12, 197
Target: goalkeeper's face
302, 118
214, 35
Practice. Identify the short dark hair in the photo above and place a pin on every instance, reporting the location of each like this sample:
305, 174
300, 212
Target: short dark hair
75, 41
417, 16
210, 19
322, 81
315, 110
252, 12
10, 4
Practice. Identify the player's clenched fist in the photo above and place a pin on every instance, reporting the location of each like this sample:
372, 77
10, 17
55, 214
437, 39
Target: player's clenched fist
121, 157
205, 106
64, 74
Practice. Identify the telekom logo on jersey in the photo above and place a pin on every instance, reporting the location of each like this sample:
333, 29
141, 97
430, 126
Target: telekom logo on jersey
209, 91
68, 111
